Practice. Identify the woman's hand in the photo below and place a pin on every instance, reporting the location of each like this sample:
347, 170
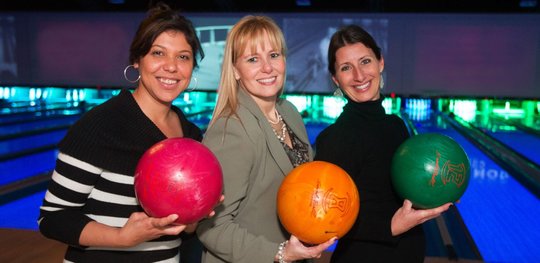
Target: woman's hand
296, 250
140, 228
406, 217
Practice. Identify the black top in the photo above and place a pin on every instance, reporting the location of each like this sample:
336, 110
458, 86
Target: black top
299, 152
93, 180
362, 141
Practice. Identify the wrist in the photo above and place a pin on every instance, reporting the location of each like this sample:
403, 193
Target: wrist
281, 252
120, 238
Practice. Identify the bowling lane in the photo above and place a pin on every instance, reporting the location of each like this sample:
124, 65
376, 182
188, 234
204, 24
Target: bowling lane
8, 115
16, 169
520, 141
30, 148
13, 128
501, 214
21, 213
31, 142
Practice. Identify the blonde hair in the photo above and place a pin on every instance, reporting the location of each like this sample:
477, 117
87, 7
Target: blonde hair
250, 31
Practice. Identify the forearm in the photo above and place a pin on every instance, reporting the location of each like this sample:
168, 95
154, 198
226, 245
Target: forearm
64, 226
100, 235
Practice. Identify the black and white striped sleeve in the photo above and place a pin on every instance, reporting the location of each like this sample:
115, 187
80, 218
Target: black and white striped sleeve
61, 217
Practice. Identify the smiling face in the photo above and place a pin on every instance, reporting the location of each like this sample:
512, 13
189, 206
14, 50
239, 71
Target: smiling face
166, 69
261, 71
358, 72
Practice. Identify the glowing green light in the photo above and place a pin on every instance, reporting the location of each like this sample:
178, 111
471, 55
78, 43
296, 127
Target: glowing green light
465, 109
333, 106
299, 101
387, 104
508, 111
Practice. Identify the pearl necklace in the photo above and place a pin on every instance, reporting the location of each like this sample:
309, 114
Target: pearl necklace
281, 137
278, 118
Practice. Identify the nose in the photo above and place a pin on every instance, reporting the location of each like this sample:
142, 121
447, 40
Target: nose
358, 74
266, 66
170, 65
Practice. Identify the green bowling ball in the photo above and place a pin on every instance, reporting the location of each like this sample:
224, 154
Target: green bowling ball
430, 170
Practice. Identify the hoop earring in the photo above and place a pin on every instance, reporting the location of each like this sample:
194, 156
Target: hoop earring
193, 86
126, 77
381, 83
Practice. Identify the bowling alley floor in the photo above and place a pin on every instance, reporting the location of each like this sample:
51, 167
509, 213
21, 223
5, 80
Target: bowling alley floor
326, 258
29, 246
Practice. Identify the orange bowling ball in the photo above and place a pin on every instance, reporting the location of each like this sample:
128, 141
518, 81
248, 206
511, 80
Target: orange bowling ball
317, 201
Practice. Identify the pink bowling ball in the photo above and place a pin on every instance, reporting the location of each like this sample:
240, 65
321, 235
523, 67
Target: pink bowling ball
178, 176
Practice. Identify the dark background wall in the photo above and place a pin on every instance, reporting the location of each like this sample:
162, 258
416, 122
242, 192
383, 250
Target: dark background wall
429, 52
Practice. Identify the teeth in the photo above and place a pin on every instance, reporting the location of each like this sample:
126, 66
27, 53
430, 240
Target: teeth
168, 81
363, 86
267, 80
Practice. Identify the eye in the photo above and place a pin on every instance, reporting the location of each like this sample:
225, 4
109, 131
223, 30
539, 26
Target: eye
365, 61
344, 68
157, 52
275, 55
184, 57
252, 60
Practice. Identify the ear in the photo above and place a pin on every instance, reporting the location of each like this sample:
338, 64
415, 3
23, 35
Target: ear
335, 81
136, 65
381, 64
236, 75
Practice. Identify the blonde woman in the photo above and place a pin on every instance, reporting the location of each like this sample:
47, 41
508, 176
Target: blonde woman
258, 138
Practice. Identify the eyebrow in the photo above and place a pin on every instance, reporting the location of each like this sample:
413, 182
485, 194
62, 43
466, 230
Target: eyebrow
163, 47
361, 58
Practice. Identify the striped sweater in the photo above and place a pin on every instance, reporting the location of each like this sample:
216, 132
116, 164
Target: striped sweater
93, 181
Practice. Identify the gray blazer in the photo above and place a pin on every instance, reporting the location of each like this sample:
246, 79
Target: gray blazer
246, 226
